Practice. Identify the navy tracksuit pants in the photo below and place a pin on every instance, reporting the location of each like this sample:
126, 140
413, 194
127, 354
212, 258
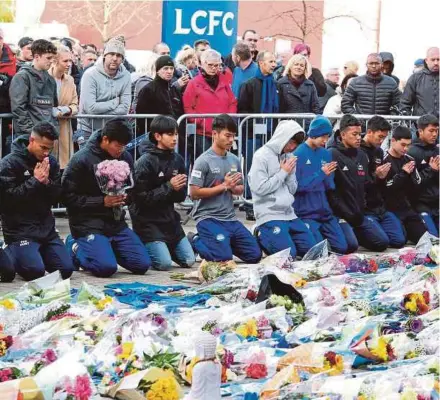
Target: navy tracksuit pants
220, 240
274, 236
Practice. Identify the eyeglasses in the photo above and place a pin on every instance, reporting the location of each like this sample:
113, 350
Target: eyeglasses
252, 40
214, 66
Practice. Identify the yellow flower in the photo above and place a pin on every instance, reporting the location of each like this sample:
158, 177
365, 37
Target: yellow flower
164, 389
8, 304
248, 329
101, 304
408, 394
127, 349
345, 291
190, 367
300, 283
380, 351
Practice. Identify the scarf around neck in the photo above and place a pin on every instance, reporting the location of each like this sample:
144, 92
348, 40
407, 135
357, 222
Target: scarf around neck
269, 93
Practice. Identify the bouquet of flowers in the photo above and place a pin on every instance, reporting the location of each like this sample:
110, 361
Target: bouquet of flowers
208, 271
114, 178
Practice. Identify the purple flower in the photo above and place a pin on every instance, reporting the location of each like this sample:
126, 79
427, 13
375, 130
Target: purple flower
227, 359
216, 331
415, 325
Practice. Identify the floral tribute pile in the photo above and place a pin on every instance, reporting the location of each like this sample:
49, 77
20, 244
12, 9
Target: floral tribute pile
363, 328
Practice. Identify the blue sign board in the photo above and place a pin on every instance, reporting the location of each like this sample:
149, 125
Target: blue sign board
185, 21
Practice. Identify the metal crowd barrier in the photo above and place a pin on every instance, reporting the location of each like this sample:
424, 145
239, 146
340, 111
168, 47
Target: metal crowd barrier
195, 136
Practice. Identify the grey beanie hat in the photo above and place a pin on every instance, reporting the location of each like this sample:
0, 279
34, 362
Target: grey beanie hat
114, 46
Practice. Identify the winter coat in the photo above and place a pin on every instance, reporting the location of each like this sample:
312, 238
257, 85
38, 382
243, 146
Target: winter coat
82, 195
375, 203
386, 56
152, 210
7, 71
333, 107
33, 95
273, 188
310, 198
348, 198
427, 197
67, 97
200, 98
317, 78
331, 91
140, 83
101, 94
249, 101
399, 185
371, 95
298, 100
26, 202
421, 92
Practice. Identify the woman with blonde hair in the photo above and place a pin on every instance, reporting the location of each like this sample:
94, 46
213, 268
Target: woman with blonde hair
67, 103
187, 62
351, 68
297, 93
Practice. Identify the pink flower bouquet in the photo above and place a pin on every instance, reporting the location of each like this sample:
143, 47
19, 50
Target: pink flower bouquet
114, 178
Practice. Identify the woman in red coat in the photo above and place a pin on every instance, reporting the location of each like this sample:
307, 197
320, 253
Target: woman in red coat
209, 92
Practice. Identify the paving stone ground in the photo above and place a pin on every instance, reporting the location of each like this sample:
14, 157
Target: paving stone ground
122, 276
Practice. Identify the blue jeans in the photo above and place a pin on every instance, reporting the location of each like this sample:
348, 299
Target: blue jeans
431, 222
274, 236
101, 255
330, 230
162, 254
32, 259
350, 237
392, 227
221, 240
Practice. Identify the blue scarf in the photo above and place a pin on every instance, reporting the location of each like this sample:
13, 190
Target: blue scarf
269, 94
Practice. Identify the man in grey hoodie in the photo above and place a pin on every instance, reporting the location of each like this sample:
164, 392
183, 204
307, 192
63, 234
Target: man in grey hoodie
105, 90
273, 184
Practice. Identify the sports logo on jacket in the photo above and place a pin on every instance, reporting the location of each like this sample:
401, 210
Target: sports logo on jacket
27, 173
361, 171
161, 174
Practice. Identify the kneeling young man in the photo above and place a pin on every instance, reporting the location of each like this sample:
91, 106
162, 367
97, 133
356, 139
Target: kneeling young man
315, 175
215, 179
160, 182
99, 240
273, 184
30, 184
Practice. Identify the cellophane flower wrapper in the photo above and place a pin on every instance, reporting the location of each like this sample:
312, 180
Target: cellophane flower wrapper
114, 177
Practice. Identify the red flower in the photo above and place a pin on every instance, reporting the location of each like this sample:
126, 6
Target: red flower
331, 357
256, 371
373, 266
8, 341
426, 296
251, 295
390, 352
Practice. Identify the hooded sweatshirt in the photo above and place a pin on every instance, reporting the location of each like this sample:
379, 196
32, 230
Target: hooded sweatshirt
427, 197
273, 188
310, 199
386, 56
26, 202
103, 95
82, 195
152, 210
33, 95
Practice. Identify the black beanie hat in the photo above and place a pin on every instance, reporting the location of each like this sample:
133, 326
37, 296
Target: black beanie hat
164, 61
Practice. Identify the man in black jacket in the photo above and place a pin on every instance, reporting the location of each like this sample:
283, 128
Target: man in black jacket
100, 237
425, 152
422, 89
160, 96
372, 93
388, 65
160, 181
348, 198
30, 185
378, 129
403, 179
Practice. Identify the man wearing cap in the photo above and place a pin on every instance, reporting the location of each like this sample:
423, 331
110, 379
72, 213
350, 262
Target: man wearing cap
315, 175
273, 184
419, 64
105, 90
24, 55
160, 96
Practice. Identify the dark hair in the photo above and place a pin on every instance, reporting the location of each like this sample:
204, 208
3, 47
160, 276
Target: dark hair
425, 120
90, 45
117, 130
243, 50
67, 42
42, 46
347, 121
299, 137
224, 121
344, 82
162, 124
45, 129
201, 41
378, 123
247, 31
402, 132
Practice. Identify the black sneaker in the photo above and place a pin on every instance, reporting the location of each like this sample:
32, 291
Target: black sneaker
250, 216
191, 236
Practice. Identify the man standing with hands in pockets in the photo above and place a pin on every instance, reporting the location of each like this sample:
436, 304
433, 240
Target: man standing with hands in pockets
315, 175
216, 177
273, 184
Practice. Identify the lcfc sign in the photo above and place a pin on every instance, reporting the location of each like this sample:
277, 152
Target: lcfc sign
184, 22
